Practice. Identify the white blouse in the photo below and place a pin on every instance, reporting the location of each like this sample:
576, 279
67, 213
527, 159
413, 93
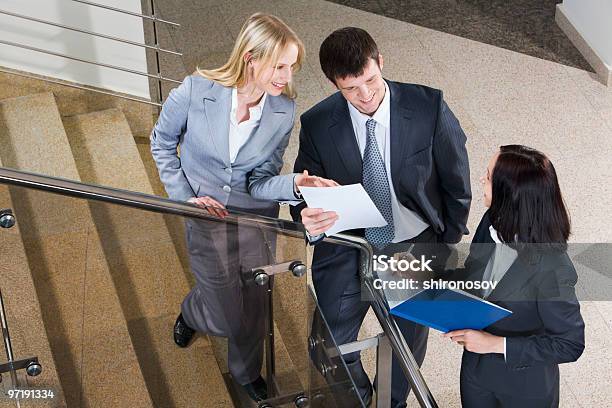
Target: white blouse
239, 133
502, 259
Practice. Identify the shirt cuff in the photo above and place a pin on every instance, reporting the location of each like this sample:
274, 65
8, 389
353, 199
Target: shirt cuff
504, 349
313, 239
292, 203
296, 193
298, 197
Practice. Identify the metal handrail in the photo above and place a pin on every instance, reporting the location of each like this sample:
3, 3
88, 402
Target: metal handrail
161, 205
101, 64
80, 30
82, 87
156, 48
131, 13
134, 199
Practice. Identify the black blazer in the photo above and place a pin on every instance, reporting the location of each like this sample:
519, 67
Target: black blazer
429, 167
545, 328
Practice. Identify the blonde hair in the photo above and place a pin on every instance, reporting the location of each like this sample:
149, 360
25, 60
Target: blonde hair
264, 36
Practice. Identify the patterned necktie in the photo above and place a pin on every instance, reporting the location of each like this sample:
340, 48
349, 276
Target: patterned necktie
376, 184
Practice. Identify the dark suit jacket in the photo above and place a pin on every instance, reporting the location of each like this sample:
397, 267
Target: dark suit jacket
545, 328
429, 166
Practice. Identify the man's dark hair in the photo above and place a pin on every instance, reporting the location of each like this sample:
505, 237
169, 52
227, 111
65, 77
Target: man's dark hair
526, 203
346, 52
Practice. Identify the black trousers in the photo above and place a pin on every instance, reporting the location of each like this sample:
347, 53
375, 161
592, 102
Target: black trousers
475, 395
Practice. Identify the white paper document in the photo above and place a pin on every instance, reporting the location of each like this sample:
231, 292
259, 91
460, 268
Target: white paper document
353, 205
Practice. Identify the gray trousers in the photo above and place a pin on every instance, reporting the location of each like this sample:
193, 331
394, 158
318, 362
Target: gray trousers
221, 304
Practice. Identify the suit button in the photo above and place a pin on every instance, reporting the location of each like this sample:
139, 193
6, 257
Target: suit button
228, 170
227, 189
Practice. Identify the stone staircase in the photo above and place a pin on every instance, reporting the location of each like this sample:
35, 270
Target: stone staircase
107, 281
25, 318
150, 280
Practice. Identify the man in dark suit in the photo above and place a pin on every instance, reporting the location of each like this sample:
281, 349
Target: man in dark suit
406, 147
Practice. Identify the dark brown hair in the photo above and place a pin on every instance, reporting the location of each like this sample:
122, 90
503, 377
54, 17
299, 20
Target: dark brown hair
346, 52
526, 203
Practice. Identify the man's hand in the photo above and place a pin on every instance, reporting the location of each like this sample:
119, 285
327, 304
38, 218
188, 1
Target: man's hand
306, 180
317, 221
477, 341
211, 205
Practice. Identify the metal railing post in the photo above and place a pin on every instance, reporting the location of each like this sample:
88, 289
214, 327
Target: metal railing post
160, 95
7, 341
31, 365
384, 357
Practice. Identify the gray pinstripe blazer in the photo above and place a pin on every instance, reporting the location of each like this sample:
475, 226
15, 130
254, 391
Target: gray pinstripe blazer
195, 122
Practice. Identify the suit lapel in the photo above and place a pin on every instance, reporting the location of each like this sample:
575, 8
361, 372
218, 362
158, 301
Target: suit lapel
217, 106
515, 278
518, 276
400, 132
272, 116
343, 136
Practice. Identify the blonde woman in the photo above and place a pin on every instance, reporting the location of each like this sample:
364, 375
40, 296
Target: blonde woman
232, 126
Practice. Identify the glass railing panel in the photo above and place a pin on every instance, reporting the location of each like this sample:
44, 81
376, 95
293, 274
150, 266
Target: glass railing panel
95, 264
110, 281
290, 315
330, 384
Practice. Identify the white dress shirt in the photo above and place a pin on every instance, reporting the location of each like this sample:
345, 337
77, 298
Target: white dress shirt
502, 259
239, 133
407, 224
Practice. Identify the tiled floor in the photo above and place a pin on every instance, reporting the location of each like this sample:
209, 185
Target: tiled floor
525, 26
500, 97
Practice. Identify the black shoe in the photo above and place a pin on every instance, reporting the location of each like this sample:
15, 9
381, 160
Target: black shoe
395, 404
182, 333
257, 390
361, 381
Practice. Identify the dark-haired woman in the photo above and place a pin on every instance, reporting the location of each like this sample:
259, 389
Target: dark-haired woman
520, 244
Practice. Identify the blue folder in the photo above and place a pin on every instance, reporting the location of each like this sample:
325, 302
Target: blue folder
449, 309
